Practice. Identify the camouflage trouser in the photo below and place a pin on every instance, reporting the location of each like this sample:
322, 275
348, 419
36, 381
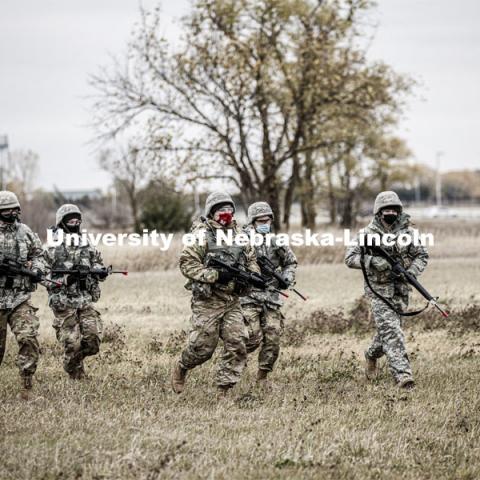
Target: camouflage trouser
265, 326
213, 319
24, 325
389, 339
79, 330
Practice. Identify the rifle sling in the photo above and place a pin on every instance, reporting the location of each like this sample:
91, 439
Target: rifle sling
381, 297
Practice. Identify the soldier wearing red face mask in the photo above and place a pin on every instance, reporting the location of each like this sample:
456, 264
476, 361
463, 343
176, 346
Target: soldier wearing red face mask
216, 311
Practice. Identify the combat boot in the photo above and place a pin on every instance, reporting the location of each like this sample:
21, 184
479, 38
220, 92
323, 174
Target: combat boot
81, 375
222, 391
407, 384
262, 376
78, 373
27, 381
179, 375
370, 368
27, 384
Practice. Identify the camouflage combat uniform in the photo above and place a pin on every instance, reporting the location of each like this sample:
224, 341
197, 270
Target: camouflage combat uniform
389, 339
216, 311
261, 309
77, 323
20, 243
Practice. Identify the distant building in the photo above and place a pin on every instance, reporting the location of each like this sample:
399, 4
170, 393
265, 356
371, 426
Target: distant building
78, 195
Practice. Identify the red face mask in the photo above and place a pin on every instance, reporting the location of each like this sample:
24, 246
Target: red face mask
225, 218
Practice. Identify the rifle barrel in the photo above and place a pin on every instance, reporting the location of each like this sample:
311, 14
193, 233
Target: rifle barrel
294, 290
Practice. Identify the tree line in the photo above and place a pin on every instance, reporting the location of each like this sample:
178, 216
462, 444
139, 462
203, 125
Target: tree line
274, 100
138, 198
274, 97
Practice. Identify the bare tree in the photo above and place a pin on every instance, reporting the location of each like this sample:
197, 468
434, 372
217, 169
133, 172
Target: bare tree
23, 169
131, 169
252, 93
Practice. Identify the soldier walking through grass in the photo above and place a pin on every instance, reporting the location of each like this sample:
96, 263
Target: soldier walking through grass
19, 247
78, 325
262, 308
389, 340
216, 311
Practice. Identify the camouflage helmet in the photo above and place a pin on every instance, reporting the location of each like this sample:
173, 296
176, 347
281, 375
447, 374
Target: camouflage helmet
65, 210
8, 200
257, 210
216, 198
386, 199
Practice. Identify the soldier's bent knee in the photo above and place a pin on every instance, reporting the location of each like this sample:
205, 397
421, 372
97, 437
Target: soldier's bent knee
238, 347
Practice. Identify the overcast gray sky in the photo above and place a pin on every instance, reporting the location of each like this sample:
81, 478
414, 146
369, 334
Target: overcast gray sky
48, 48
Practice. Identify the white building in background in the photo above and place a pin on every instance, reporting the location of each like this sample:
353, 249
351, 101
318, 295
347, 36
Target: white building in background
76, 195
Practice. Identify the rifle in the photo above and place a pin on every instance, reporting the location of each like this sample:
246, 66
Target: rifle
82, 271
400, 270
268, 267
9, 265
244, 277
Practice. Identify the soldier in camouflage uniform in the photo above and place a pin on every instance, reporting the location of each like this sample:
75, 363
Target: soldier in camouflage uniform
261, 309
77, 324
20, 244
216, 311
389, 339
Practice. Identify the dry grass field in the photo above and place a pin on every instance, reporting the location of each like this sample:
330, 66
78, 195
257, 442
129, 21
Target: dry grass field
319, 419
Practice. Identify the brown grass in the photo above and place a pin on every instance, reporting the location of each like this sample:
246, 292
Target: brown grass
320, 419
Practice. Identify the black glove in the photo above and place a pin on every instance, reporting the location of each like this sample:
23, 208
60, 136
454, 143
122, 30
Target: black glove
38, 277
224, 277
70, 279
102, 273
283, 284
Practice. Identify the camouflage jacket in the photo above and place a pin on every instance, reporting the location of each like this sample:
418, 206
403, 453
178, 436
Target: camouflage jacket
286, 264
413, 257
193, 259
19, 242
65, 257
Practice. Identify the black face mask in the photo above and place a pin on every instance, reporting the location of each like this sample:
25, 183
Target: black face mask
390, 218
74, 229
9, 217
71, 228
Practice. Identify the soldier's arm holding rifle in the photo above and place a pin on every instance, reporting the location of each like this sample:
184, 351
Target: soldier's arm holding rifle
36, 260
419, 256
101, 272
252, 264
289, 266
192, 265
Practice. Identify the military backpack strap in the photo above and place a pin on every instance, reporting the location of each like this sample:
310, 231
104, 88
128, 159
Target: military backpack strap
381, 297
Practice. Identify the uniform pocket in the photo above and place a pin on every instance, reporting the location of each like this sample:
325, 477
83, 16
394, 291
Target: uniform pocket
66, 318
